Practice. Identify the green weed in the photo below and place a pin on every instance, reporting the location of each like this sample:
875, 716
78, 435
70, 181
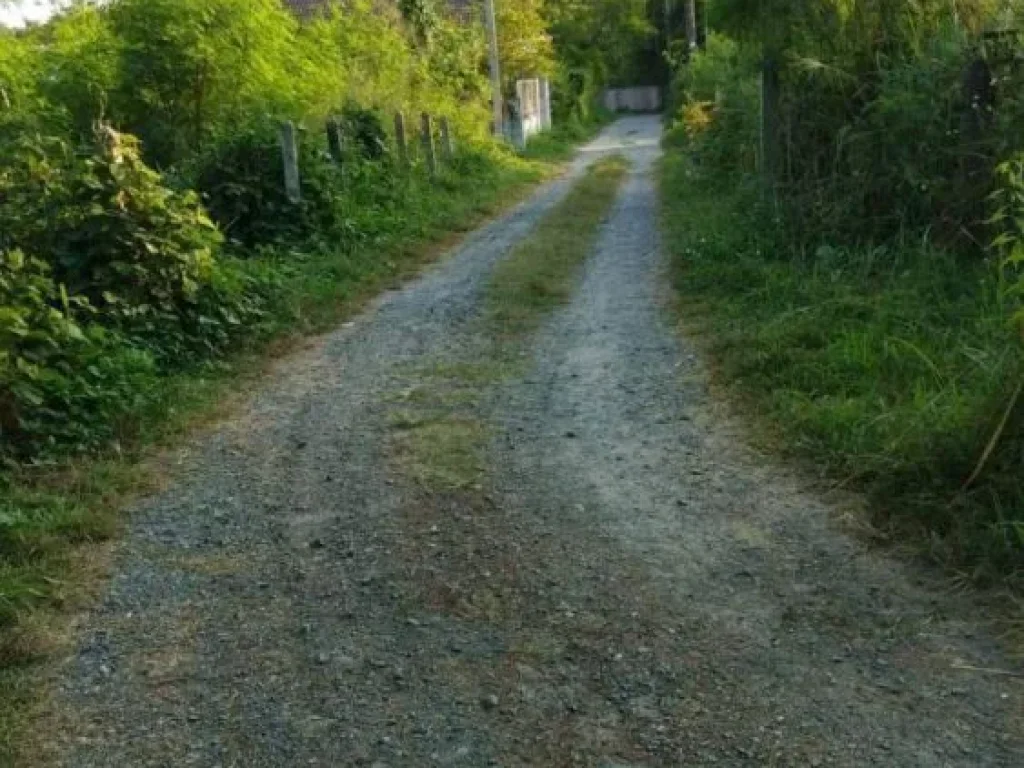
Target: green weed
888, 371
538, 275
560, 143
439, 439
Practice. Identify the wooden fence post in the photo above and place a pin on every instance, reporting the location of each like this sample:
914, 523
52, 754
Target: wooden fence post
290, 157
427, 130
400, 138
447, 144
335, 141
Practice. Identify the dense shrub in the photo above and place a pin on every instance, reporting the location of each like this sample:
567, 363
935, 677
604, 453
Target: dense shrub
847, 277
875, 133
242, 184
363, 132
714, 102
141, 253
64, 381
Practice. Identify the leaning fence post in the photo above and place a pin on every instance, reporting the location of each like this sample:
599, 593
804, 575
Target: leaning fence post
334, 139
400, 139
545, 104
290, 157
428, 143
447, 144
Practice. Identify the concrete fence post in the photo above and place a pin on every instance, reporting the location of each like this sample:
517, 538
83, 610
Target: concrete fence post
518, 131
290, 158
545, 104
335, 141
447, 143
400, 138
427, 130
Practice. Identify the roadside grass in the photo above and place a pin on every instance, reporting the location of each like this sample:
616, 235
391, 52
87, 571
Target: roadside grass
888, 369
443, 452
538, 275
439, 439
560, 143
54, 517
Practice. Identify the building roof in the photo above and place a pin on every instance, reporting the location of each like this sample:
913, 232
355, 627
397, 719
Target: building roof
306, 8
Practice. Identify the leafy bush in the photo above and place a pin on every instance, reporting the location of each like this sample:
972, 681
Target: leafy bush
143, 255
242, 184
192, 71
363, 132
874, 134
715, 100
64, 381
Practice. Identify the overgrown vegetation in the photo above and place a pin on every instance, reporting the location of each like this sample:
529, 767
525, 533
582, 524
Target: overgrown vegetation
855, 262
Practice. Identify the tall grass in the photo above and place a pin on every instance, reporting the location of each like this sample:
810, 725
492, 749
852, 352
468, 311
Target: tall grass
888, 367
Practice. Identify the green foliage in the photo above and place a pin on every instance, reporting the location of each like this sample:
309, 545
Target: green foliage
191, 71
242, 183
524, 42
64, 382
887, 367
81, 56
22, 108
604, 35
597, 43
141, 253
454, 63
1007, 221
364, 131
714, 103
423, 17
874, 134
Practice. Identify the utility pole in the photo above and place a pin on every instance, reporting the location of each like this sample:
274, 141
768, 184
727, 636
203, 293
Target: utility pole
497, 106
691, 24
668, 24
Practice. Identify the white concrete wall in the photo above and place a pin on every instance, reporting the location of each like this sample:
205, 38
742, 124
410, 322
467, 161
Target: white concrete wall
639, 99
532, 111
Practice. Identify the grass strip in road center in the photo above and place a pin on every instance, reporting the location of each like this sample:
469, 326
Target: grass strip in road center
440, 436
538, 275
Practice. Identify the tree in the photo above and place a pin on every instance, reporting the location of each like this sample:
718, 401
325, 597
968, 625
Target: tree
524, 42
598, 42
604, 35
192, 68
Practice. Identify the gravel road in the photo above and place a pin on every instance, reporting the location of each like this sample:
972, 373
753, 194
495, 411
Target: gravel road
623, 585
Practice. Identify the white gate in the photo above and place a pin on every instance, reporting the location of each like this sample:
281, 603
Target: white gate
530, 111
637, 99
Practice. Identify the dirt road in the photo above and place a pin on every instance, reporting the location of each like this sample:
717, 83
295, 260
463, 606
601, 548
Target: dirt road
620, 584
